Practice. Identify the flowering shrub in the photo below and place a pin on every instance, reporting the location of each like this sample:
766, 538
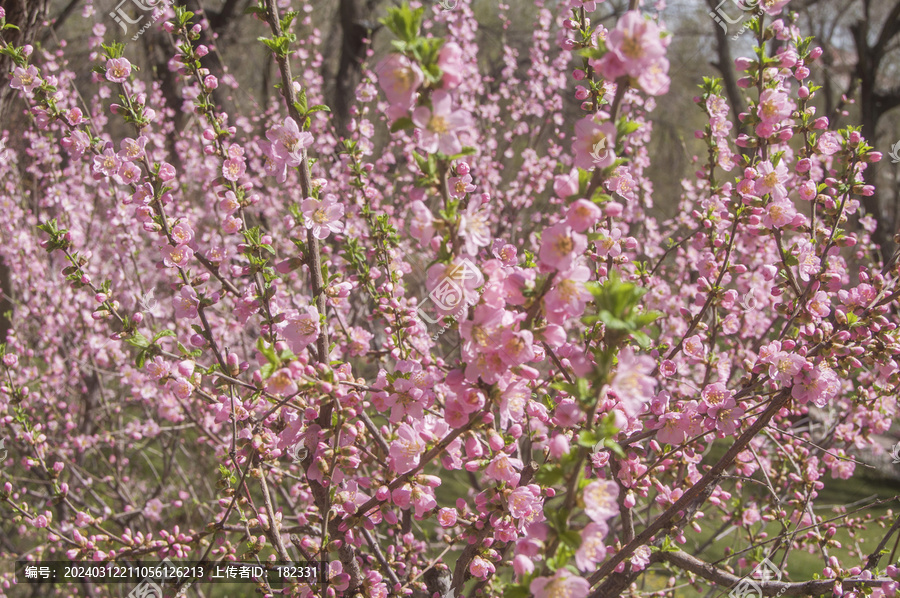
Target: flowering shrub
453, 350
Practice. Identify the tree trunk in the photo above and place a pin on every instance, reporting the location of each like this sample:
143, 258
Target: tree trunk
27, 15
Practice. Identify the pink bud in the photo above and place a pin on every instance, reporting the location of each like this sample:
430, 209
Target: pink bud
742, 63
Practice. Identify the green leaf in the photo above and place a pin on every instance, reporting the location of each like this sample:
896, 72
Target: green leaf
402, 123
267, 351
466, 151
570, 538
516, 591
287, 19
162, 334
138, 340
302, 102
549, 475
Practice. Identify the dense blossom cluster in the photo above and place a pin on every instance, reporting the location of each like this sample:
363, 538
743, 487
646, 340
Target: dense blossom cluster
227, 340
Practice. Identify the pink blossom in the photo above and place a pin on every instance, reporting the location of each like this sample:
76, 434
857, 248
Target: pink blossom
779, 213
820, 305
582, 215
566, 185
233, 169
809, 262
25, 79
475, 227
621, 182
301, 328
400, 79
447, 517
128, 174
516, 347
716, 396
600, 500
450, 59
288, 142
525, 504
232, 225
421, 225
672, 428
118, 70
182, 233
774, 106
177, 257
829, 143
504, 468
132, 149
562, 585
808, 191
593, 547
641, 558
632, 384
637, 42
358, 344
107, 163
727, 419
166, 172
771, 180
608, 244
460, 185
406, 399
406, 450
186, 303
323, 217
153, 509
229, 203
818, 386
783, 366
281, 383
180, 387
157, 368
76, 143
569, 296
595, 143
481, 568
440, 125
560, 245
694, 347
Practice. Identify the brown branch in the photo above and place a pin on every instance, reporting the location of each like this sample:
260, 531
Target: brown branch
816, 587
695, 491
